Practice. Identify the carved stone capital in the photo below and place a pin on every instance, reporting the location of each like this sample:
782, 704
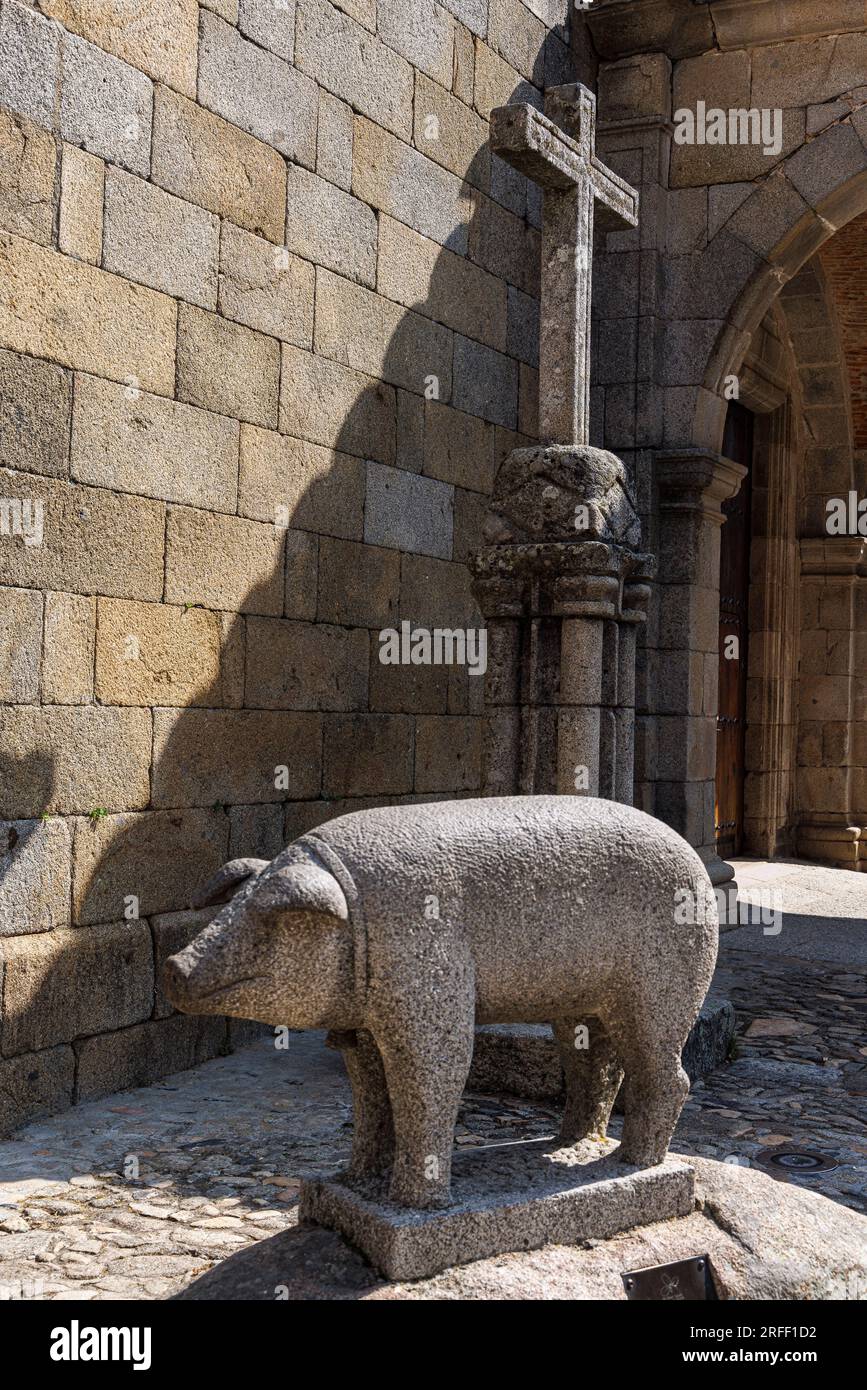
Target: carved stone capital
562, 537
562, 493
635, 601
567, 579
693, 480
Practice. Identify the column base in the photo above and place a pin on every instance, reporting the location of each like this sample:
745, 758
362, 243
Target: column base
718, 869
842, 846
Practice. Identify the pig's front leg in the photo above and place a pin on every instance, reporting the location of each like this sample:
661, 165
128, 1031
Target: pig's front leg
373, 1129
426, 1049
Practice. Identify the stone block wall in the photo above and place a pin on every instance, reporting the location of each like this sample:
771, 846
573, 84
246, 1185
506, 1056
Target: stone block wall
268, 323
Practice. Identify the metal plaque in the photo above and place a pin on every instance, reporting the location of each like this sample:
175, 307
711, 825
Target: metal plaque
688, 1281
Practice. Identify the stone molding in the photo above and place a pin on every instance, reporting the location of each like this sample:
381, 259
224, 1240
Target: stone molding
694, 480
752, 23
834, 555
686, 28
762, 391
622, 27
636, 92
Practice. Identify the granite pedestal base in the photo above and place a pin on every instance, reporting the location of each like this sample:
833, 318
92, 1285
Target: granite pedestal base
505, 1198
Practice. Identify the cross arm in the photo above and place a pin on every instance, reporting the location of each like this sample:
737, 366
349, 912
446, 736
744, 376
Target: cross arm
536, 147
617, 203
533, 145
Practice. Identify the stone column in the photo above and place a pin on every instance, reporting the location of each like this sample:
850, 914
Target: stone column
693, 484
832, 804
562, 585
563, 604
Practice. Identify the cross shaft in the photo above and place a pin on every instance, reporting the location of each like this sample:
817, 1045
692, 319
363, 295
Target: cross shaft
557, 150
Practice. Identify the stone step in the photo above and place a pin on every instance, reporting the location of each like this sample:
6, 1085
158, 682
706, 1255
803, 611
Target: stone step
522, 1060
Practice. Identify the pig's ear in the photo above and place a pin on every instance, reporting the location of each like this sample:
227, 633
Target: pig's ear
302, 888
222, 886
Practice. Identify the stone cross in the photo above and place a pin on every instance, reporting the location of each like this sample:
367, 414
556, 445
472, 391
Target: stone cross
558, 151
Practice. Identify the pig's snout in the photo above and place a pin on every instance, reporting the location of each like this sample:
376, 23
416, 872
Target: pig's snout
176, 982
205, 982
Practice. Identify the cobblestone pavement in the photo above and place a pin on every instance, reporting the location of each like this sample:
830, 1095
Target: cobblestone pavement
140, 1195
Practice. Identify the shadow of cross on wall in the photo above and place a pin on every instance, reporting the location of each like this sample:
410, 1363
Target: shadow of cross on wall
373, 492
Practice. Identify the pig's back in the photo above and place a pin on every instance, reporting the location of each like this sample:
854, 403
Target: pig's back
501, 869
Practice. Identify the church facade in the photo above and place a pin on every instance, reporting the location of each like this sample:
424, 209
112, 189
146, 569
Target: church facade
269, 327
730, 373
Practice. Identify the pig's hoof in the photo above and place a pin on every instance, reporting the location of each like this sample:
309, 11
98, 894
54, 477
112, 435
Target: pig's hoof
570, 1136
419, 1198
641, 1158
368, 1172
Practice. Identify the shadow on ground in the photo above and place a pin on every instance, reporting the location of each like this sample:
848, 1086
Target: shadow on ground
304, 1264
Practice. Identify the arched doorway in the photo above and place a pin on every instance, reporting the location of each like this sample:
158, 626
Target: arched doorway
797, 787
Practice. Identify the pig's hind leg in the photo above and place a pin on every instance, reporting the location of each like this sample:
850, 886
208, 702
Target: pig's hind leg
656, 1084
373, 1128
593, 1076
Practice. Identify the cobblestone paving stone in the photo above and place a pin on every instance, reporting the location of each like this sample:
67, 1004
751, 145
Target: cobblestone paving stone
801, 1044
139, 1195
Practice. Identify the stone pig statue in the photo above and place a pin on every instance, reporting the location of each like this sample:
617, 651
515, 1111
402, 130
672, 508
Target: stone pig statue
400, 929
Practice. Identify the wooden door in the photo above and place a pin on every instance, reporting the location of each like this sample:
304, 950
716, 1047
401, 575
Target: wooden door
734, 589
